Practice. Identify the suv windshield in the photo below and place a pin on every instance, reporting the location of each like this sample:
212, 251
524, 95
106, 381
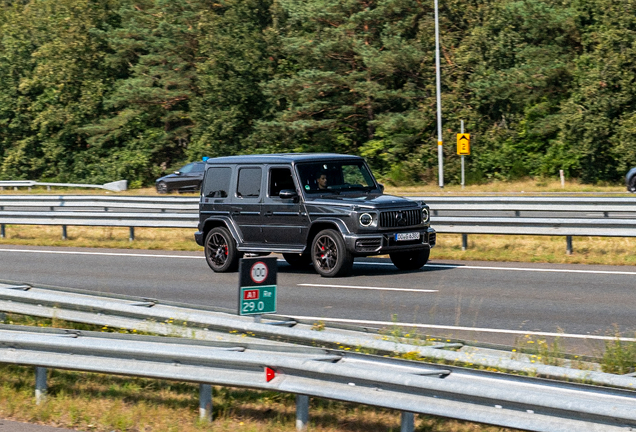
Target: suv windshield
335, 177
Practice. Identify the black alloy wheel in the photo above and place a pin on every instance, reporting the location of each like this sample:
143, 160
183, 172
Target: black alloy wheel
632, 184
162, 188
329, 254
410, 260
220, 250
297, 260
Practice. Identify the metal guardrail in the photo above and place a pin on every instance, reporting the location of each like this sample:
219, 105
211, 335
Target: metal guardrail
563, 216
116, 186
411, 387
169, 318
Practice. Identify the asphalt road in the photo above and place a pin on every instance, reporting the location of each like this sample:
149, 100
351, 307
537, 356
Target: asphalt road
486, 301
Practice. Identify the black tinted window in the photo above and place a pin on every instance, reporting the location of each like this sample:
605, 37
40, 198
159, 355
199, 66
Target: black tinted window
186, 169
249, 183
217, 182
279, 179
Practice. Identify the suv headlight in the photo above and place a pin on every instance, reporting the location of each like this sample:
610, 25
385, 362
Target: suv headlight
365, 219
426, 216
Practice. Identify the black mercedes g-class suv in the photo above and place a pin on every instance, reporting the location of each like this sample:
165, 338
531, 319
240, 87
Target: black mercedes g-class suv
320, 209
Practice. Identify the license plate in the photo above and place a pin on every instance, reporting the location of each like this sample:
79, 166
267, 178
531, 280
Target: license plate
407, 236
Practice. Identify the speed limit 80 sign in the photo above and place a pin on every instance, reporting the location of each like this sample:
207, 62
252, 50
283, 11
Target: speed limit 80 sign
257, 286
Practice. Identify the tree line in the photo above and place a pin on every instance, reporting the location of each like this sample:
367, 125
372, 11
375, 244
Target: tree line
101, 90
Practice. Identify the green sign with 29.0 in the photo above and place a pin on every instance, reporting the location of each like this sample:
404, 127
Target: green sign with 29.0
256, 300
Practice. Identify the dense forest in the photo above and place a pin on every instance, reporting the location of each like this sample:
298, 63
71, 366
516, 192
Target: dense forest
102, 90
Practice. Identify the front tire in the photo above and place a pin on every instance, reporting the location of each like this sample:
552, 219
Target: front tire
162, 188
220, 250
632, 184
329, 254
410, 260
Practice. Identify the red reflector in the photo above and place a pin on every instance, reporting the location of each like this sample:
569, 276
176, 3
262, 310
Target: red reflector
269, 374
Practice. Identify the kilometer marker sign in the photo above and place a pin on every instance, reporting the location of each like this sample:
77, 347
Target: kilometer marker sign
257, 286
463, 144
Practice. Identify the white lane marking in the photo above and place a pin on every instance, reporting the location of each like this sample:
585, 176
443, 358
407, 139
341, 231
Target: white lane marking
101, 253
449, 266
472, 329
368, 288
528, 269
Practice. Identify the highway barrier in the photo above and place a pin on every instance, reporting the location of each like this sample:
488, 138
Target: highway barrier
411, 387
548, 216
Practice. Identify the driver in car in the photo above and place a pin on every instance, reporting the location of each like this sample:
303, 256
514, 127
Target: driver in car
321, 180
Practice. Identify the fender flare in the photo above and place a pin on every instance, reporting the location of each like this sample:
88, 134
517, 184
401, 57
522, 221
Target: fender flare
226, 221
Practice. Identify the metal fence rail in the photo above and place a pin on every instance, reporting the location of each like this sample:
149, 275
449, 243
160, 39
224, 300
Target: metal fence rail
179, 319
116, 186
413, 387
563, 216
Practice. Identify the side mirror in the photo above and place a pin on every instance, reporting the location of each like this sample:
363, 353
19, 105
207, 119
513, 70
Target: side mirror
381, 186
288, 194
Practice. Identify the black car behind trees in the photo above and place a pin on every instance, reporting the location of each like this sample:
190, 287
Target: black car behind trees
187, 179
320, 209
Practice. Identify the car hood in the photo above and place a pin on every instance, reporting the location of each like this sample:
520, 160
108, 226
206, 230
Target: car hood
369, 201
169, 176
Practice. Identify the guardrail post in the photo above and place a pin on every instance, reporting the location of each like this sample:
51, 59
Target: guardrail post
408, 422
205, 402
464, 242
568, 242
64, 234
3, 234
517, 213
131, 236
40, 385
302, 412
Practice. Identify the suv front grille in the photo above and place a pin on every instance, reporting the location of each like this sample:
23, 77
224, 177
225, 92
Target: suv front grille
400, 218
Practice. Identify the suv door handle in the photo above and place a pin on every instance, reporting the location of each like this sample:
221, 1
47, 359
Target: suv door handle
268, 213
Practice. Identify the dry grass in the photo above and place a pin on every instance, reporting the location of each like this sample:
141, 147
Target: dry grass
102, 237
526, 186
586, 250
104, 403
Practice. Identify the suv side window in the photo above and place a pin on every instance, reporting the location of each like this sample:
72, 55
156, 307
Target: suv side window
217, 182
279, 179
249, 182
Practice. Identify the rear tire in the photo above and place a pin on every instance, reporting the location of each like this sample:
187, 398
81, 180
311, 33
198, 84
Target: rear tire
410, 260
329, 254
297, 260
220, 250
632, 184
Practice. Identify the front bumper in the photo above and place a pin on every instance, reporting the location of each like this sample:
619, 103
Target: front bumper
384, 243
